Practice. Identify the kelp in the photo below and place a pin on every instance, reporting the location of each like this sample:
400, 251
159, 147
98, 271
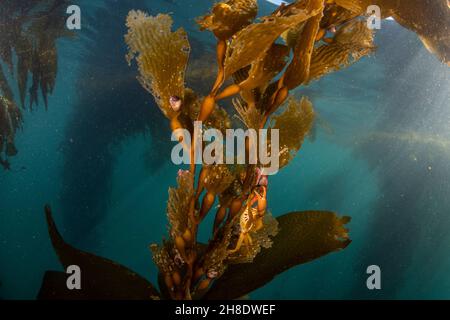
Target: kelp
29, 31
250, 116
161, 54
218, 119
252, 42
298, 70
102, 278
247, 247
10, 122
261, 239
178, 203
302, 237
262, 71
350, 43
293, 125
227, 18
430, 19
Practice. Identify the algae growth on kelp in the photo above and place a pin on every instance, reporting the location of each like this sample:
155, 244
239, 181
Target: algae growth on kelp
141, 77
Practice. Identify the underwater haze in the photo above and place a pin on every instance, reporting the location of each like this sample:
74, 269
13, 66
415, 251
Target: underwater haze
100, 154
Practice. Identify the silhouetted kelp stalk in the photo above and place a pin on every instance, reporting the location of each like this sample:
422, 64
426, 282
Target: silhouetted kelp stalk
248, 247
29, 30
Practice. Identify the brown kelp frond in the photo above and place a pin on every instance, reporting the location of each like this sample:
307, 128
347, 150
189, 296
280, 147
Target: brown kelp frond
298, 70
351, 42
252, 42
250, 116
261, 238
102, 278
45, 29
291, 35
178, 203
25, 51
334, 15
218, 178
432, 24
355, 32
10, 122
215, 257
161, 54
229, 17
5, 89
266, 68
302, 237
293, 125
31, 33
163, 256
218, 119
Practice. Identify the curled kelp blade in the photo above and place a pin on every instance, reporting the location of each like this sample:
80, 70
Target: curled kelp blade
302, 237
228, 17
251, 43
100, 278
298, 70
430, 19
352, 41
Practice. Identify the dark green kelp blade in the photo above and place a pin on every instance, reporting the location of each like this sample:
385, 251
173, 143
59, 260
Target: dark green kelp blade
100, 278
303, 237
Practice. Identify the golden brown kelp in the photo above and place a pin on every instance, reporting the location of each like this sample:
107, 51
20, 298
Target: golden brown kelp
351, 42
247, 247
29, 30
430, 19
10, 121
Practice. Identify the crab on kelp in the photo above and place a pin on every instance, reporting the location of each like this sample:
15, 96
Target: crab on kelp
248, 246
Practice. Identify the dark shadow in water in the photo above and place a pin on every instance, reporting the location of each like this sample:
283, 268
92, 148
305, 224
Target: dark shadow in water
410, 219
112, 106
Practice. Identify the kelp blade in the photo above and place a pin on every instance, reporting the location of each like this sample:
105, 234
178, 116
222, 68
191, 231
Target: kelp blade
303, 237
101, 279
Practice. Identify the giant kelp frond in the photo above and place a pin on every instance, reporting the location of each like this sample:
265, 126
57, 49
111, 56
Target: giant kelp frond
266, 68
10, 122
163, 257
298, 70
335, 15
218, 178
252, 42
178, 203
102, 278
293, 125
229, 17
161, 54
261, 239
31, 31
351, 42
218, 119
250, 116
45, 29
302, 237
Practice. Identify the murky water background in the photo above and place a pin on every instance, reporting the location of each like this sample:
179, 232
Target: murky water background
101, 156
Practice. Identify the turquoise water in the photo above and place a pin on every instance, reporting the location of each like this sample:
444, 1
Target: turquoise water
100, 155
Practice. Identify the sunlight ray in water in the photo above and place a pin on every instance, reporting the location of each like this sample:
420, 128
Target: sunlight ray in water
362, 147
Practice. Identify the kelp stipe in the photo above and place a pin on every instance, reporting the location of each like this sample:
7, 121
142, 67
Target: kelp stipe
248, 247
